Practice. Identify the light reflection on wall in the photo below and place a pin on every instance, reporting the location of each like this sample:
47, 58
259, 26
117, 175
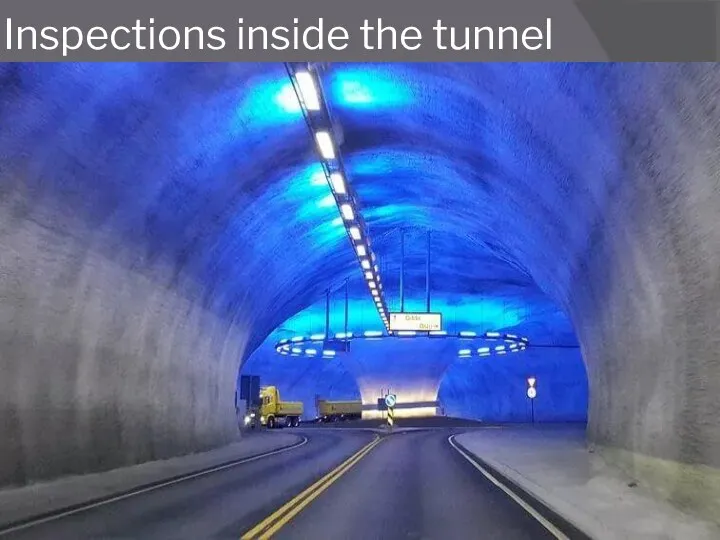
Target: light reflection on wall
414, 412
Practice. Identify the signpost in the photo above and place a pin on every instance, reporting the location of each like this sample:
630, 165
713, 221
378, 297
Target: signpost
418, 322
390, 401
531, 394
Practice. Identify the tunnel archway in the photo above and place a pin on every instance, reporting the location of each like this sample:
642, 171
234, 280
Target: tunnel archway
133, 198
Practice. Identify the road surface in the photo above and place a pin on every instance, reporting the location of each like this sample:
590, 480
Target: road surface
413, 485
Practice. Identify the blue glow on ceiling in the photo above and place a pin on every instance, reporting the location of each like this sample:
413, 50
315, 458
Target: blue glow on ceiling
267, 104
368, 88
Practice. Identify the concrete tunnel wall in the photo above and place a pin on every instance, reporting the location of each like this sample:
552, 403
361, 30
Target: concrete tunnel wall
142, 190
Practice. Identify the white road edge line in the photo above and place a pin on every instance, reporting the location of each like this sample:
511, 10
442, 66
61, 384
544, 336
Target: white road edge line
529, 509
140, 491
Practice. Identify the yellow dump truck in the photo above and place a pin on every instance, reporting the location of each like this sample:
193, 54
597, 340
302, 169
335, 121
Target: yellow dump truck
338, 411
276, 413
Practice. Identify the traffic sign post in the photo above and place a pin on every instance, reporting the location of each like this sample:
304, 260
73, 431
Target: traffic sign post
531, 394
390, 401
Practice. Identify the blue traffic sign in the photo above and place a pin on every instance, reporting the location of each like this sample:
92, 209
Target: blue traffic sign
390, 400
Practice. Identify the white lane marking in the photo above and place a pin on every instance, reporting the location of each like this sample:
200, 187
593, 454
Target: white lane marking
529, 509
140, 491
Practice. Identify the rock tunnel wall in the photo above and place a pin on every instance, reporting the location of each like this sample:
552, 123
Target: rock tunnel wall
102, 365
494, 389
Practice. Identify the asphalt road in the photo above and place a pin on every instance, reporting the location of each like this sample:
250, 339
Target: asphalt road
220, 505
412, 485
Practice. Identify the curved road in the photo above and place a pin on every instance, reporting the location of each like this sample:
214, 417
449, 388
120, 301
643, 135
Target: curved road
412, 485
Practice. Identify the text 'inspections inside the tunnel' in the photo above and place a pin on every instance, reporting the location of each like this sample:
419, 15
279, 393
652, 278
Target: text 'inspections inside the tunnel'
297, 35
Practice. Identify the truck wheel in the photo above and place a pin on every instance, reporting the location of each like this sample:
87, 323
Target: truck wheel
295, 422
271, 422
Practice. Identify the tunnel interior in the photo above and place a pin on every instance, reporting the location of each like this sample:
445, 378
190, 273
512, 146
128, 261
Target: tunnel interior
430, 369
159, 221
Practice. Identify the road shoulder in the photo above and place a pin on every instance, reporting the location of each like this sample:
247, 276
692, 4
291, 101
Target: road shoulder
18, 505
555, 468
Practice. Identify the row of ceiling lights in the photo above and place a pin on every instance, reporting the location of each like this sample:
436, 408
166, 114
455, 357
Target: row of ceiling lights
308, 89
307, 345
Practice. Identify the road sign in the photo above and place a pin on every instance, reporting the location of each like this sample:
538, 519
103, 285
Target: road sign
419, 322
390, 400
531, 392
381, 406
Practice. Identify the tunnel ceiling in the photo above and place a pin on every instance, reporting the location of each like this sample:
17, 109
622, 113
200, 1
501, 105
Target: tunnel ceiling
208, 170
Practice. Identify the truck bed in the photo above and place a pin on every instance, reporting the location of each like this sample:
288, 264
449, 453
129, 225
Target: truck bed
327, 408
290, 408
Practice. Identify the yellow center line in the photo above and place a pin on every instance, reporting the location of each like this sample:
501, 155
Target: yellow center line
285, 513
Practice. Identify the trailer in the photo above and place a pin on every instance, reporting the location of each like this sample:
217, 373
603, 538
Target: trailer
339, 411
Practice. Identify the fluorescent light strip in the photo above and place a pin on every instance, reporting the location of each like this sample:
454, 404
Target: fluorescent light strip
325, 144
311, 99
347, 212
308, 90
338, 183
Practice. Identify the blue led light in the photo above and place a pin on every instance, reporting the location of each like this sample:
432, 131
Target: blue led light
500, 348
295, 350
317, 337
297, 338
467, 333
372, 333
464, 352
483, 350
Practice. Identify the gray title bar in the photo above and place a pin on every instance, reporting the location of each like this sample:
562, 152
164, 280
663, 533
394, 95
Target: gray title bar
379, 30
